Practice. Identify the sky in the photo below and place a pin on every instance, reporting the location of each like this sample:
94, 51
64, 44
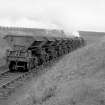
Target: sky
69, 15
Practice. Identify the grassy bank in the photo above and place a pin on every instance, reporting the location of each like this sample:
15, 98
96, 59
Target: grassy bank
78, 79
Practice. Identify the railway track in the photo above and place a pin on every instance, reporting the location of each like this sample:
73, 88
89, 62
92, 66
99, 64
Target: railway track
8, 83
7, 76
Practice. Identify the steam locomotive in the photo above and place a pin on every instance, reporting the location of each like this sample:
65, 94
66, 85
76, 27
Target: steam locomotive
31, 52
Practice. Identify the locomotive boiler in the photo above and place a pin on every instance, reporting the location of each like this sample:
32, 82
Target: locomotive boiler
29, 52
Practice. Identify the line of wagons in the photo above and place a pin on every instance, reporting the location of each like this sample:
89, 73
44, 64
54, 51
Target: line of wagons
35, 51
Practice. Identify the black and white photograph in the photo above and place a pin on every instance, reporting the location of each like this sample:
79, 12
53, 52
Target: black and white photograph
52, 52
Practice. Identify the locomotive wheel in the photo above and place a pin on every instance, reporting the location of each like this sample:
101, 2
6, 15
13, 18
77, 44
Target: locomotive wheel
25, 67
12, 66
55, 55
44, 59
40, 61
35, 62
28, 66
61, 52
65, 50
50, 57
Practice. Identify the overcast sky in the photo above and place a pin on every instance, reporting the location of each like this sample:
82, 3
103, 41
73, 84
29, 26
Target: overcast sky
64, 14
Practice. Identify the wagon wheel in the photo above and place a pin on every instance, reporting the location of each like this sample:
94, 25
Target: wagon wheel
55, 54
25, 67
46, 57
61, 52
35, 62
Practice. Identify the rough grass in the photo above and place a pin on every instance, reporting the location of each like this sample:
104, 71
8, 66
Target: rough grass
78, 79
